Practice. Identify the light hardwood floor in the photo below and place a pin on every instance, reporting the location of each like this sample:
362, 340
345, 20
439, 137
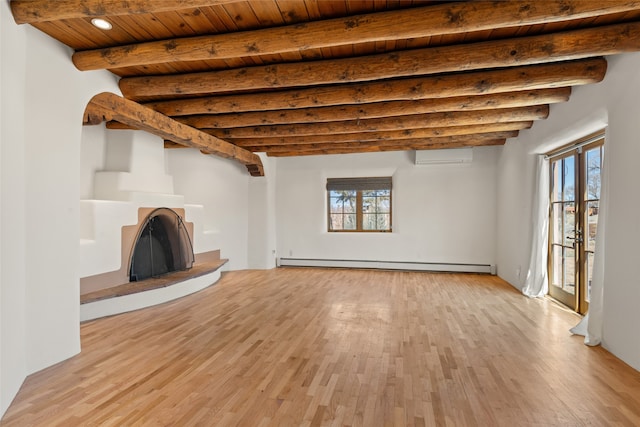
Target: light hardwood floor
291, 347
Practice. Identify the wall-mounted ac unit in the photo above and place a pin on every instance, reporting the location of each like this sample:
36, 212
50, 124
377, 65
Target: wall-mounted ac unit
454, 156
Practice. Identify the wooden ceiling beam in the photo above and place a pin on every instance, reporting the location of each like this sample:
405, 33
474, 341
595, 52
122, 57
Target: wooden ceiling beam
444, 140
418, 121
374, 110
578, 44
113, 107
348, 147
388, 135
436, 20
477, 139
34, 11
444, 119
530, 77
374, 148
380, 109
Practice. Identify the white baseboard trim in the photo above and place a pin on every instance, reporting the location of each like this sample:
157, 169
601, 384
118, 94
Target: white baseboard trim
125, 303
389, 265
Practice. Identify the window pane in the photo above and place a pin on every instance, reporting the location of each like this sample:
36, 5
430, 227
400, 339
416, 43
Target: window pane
569, 284
336, 205
350, 206
376, 222
556, 181
347, 197
569, 176
335, 222
384, 204
592, 225
593, 173
384, 222
556, 223
368, 204
556, 266
589, 275
349, 222
569, 223
369, 222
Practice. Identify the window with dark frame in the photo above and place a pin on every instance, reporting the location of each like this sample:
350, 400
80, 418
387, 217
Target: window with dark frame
359, 204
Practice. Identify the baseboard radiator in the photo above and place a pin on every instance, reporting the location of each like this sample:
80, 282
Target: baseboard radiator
389, 265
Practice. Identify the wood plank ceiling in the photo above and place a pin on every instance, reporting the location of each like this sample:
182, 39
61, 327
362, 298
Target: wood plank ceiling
307, 77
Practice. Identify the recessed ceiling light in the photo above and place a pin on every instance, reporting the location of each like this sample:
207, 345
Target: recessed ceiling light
103, 24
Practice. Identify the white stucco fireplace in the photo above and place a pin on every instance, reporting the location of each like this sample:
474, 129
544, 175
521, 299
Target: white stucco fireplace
131, 187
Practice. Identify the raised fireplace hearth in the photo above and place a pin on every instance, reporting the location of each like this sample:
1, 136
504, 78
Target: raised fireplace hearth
157, 264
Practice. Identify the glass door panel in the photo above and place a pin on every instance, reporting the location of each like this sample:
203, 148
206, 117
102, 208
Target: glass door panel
563, 281
592, 165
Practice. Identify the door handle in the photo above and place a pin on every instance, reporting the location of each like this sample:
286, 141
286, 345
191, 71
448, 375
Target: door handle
577, 237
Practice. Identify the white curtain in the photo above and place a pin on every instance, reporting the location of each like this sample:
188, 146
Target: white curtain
591, 325
536, 282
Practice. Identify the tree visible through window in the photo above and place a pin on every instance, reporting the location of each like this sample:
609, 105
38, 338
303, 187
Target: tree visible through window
359, 204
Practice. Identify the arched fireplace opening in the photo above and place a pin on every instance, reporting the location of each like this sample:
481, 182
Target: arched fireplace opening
162, 246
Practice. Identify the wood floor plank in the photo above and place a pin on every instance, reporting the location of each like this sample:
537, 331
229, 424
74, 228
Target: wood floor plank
296, 346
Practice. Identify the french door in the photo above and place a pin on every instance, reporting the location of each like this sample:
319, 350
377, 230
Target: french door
574, 203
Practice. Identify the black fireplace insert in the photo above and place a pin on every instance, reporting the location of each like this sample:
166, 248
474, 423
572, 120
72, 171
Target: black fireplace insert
162, 246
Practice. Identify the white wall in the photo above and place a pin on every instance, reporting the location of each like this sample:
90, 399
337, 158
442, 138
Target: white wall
13, 368
442, 214
613, 103
262, 217
92, 157
43, 98
222, 187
